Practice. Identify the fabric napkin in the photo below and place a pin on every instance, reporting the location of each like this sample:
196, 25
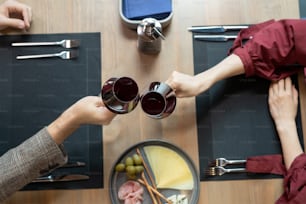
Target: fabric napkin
294, 177
266, 164
140, 9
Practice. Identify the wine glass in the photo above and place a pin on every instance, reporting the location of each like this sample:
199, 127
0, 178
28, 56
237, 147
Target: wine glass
120, 95
158, 101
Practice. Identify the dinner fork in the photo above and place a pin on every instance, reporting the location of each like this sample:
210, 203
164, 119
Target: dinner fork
63, 55
224, 162
63, 43
219, 171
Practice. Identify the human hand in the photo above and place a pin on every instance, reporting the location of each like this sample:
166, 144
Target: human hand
11, 9
90, 110
283, 101
186, 86
183, 85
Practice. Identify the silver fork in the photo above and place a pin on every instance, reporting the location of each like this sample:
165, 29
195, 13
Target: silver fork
63, 43
63, 55
224, 162
219, 171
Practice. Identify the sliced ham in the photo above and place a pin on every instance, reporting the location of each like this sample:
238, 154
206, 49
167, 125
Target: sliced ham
131, 192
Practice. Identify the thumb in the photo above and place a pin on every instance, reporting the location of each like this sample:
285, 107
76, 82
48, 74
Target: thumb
13, 22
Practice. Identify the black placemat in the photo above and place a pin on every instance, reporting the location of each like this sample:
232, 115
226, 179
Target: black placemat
34, 92
233, 119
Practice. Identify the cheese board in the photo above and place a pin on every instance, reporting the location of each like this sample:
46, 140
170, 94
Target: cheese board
168, 171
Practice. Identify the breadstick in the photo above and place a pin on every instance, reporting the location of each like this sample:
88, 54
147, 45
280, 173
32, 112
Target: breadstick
148, 172
146, 168
155, 191
145, 182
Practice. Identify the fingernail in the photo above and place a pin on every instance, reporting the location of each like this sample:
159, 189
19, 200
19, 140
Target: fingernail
21, 26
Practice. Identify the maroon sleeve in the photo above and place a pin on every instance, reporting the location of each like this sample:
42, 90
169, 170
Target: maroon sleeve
273, 49
295, 182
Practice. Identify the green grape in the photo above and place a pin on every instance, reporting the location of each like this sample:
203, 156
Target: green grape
137, 159
120, 167
139, 169
129, 161
131, 170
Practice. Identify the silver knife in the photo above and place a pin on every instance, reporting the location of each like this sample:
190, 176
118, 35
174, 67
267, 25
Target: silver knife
215, 38
61, 178
215, 29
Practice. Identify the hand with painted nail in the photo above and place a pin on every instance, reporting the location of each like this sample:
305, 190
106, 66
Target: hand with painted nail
15, 15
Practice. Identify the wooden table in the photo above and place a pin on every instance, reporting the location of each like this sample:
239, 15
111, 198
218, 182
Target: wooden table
120, 57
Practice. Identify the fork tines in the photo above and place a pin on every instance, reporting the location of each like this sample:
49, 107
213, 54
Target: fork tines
72, 43
215, 171
210, 171
73, 54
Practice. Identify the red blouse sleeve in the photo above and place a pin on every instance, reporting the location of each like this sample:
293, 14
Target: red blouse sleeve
273, 49
295, 182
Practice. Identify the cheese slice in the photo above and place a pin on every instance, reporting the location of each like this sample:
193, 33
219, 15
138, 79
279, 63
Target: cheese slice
169, 168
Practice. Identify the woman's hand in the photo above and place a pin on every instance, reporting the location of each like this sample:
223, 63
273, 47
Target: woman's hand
15, 14
183, 85
283, 101
187, 86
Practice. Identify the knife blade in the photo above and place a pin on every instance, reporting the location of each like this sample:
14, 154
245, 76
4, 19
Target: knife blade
215, 29
73, 164
60, 178
215, 38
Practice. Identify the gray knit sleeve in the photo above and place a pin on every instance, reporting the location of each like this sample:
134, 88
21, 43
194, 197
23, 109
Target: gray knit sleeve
35, 156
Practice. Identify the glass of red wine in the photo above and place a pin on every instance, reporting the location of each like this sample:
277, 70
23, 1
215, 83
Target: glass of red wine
120, 95
158, 101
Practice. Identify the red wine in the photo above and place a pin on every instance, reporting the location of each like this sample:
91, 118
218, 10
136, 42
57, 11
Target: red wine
125, 89
153, 103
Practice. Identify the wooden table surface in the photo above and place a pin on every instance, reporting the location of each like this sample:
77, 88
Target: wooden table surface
120, 57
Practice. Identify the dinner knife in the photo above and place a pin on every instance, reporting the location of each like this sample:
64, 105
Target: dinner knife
73, 164
60, 178
215, 38
216, 29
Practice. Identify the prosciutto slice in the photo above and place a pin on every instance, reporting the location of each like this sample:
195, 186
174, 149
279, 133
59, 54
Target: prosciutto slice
131, 192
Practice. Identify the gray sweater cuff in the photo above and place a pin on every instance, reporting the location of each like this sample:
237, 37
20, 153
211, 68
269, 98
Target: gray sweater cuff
36, 156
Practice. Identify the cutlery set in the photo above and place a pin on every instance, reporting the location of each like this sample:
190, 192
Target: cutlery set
72, 54
62, 177
215, 33
218, 167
